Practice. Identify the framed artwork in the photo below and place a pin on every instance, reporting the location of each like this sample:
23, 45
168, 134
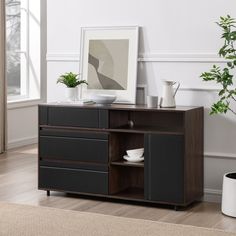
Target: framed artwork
109, 61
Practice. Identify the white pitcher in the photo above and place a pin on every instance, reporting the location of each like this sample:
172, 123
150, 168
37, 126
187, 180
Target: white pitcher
168, 94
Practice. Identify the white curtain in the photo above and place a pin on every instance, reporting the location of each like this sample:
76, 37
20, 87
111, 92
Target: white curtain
2, 79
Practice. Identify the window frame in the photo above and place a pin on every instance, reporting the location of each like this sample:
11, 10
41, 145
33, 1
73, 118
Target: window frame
24, 100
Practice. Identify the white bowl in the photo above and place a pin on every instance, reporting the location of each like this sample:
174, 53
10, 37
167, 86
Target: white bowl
135, 153
103, 98
131, 159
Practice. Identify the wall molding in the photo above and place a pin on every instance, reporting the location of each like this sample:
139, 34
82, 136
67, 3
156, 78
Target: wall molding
220, 155
24, 103
154, 57
33, 140
212, 195
181, 57
22, 142
207, 89
70, 57
147, 57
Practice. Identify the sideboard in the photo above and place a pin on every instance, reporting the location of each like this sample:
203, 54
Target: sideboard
81, 150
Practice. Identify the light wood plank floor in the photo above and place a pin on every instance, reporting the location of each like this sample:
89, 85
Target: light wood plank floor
18, 184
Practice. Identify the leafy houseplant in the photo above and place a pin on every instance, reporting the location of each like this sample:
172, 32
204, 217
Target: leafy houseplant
71, 80
225, 76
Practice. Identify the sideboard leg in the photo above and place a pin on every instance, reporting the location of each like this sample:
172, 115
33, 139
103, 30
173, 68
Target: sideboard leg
176, 208
48, 193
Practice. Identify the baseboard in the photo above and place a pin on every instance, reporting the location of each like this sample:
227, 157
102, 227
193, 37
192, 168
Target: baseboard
212, 195
22, 142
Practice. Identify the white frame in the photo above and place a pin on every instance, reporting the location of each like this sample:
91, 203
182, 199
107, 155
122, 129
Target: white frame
117, 32
32, 19
24, 54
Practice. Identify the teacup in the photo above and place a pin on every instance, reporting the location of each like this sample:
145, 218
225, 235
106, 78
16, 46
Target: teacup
135, 153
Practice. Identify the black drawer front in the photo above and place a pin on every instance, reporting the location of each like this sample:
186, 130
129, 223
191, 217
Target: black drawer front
73, 149
73, 180
72, 116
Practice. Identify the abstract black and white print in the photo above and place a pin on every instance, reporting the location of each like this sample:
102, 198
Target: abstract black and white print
108, 64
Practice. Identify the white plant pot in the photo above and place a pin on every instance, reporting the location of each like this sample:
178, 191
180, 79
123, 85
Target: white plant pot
72, 94
228, 206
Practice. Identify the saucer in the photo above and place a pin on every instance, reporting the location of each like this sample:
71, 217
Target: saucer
131, 159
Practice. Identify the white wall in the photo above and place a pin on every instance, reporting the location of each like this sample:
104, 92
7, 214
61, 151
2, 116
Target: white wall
178, 40
22, 126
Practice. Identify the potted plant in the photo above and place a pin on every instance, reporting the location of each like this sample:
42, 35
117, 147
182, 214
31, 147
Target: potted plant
227, 97
71, 80
225, 76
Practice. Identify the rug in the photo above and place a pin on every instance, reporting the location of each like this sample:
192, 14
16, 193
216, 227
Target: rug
24, 220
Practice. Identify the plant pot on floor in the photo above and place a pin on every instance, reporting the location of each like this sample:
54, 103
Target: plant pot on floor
229, 194
72, 94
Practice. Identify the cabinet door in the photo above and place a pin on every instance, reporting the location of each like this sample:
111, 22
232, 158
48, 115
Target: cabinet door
164, 168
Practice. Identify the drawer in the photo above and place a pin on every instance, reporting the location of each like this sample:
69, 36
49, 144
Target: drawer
72, 116
73, 180
73, 149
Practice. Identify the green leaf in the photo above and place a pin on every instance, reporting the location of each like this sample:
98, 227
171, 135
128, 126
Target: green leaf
221, 92
219, 107
229, 64
71, 80
231, 57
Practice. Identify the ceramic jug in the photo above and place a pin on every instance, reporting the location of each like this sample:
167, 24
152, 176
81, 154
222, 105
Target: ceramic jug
168, 94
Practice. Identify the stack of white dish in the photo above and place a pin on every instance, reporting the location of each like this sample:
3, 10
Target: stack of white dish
134, 155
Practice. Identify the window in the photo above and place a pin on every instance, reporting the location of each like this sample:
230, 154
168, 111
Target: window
23, 49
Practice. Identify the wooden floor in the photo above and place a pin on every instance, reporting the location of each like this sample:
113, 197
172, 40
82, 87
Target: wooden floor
18, 184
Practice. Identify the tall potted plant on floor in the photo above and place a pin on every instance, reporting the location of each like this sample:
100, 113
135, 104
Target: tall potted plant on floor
227, 99
72, 81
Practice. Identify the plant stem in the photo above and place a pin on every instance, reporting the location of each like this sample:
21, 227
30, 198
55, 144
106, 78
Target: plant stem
232, 111
233, 98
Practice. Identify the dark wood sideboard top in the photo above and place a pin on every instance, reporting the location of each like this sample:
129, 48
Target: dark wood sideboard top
121, 107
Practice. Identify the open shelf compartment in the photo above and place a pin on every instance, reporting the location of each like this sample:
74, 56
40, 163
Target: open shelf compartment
140, 122
119, 143
131, 193
126, 179
126, 182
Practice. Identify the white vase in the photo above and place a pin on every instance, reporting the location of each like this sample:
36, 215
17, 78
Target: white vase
72, 94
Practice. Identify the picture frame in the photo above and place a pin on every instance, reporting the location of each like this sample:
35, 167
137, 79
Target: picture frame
108, 61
